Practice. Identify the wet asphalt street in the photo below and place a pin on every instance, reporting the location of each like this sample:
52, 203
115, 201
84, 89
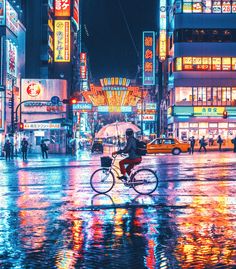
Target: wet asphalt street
51, 218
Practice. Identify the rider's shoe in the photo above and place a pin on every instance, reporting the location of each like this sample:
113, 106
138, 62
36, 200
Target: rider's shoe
122, 178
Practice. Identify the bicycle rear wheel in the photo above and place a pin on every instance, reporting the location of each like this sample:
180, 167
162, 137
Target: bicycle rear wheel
144, 181
102, 180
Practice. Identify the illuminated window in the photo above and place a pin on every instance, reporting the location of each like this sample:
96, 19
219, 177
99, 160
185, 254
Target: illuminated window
183, 95
197, 6
187, 63
234, 94
216, 64
203, 124
187, 6
207, 6
226, 7
234, 7
216, 7
226, 64
223, 125
233, 63
178, 64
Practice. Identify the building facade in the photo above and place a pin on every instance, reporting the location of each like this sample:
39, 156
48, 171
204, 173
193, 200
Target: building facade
200, 85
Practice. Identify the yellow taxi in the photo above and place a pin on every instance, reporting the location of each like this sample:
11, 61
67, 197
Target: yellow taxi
167, 145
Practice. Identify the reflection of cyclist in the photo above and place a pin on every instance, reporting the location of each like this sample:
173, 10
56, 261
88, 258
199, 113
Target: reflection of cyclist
133, 158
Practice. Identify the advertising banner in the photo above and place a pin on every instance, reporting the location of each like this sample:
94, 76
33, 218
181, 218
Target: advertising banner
83, 65
62, 8
149, 58
62, 41
42, 126
40, 93
11, 51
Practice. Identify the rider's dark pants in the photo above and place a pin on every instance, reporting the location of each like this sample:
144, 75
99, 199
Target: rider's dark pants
131, 163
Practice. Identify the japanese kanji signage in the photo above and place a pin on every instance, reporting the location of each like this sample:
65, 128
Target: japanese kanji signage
208, 111
149, 58
11, 59
162, 33
62, 41
62, 8
11, 18
76, 13
2, 12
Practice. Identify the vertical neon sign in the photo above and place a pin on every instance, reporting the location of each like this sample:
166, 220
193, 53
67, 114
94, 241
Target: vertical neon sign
148, 58
162, 34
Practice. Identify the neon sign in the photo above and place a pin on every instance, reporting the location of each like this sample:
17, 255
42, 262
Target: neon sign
162, 33
62, 8
62, 41
148, 58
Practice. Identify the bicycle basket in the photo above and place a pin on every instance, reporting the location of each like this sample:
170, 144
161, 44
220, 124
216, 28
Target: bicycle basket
106, 161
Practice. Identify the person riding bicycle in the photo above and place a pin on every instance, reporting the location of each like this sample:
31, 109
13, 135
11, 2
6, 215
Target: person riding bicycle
133, 158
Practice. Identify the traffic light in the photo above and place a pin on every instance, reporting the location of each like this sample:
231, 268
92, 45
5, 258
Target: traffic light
225, 115
21, 126
70, 101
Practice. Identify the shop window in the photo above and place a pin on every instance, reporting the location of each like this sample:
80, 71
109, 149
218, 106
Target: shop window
216, 6
216, 64
226, 64
178, 64
213, 125
203, 125
223, 125
233, 97
233, 6
183, 95
232, 125
233, 64
187, 6
183, 125
226, 7
193, 125
197, 6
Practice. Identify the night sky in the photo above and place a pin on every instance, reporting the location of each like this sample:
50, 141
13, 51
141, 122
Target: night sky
106, 36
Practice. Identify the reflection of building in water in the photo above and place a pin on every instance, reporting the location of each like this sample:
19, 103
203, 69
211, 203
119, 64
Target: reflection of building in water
207, 231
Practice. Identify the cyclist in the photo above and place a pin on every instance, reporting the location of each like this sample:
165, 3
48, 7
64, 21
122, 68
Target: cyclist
133, 158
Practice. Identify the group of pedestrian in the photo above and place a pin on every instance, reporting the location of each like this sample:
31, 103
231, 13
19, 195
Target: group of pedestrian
8, 149
203, 144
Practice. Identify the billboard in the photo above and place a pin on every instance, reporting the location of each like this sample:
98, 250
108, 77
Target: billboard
11, 58
62, 41
62, 8
149, 58
40, 93
11, 18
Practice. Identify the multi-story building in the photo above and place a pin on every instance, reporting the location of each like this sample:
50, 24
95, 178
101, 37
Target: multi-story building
200, 89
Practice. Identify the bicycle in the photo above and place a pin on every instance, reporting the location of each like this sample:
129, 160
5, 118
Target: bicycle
142, 180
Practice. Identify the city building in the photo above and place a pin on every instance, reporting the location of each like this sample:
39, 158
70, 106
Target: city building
12, 34
199, 64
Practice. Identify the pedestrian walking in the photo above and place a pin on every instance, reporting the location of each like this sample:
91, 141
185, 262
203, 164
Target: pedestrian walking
44, 149
8, 148
219, 141
192, 144
24, 148
203, 144
234, 142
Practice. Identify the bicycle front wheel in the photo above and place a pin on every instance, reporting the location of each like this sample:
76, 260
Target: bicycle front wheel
144, 181
102, 180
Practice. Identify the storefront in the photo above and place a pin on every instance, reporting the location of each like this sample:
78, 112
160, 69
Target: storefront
43, 113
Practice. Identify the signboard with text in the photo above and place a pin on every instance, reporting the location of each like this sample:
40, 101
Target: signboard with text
208, 111
62, 8
124, 109
2, 12
11, 58
62, 41
149, 58
11, 18
41, 126
82, 106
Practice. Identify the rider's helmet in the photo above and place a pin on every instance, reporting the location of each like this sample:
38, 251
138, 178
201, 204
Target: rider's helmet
129, 132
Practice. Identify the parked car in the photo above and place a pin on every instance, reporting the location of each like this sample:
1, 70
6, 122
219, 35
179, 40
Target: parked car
97, 146
167, 145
